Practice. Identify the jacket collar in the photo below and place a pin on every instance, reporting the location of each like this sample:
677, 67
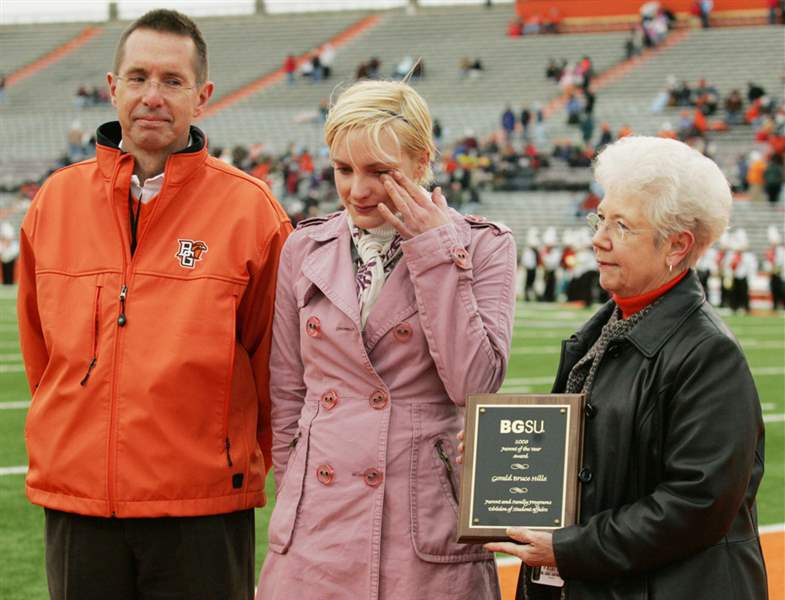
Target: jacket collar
668, 315
179, 166
665, 318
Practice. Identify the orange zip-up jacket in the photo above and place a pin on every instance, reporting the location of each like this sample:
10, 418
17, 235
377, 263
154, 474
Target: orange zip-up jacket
149, 373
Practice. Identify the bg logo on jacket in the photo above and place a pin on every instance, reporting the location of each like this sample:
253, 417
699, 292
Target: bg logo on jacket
190, 251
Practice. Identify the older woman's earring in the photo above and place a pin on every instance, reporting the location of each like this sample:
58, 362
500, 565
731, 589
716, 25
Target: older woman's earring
670, 267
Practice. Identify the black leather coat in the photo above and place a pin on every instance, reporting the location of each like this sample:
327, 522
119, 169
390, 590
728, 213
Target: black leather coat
672, 461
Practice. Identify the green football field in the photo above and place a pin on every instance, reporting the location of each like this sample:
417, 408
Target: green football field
538, 332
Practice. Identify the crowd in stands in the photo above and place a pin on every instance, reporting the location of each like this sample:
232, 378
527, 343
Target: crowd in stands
91, 96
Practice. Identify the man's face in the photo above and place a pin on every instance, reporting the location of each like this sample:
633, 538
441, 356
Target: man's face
156, 93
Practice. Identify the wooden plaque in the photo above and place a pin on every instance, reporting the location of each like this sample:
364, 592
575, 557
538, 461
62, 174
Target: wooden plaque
521, 461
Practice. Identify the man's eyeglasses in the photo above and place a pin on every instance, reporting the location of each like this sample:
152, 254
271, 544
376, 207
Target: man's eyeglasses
167, 87
617, 230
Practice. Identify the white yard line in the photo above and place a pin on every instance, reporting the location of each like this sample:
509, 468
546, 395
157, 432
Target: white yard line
13, 470
18, 368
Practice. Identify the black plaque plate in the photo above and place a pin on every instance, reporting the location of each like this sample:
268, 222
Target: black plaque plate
520, 464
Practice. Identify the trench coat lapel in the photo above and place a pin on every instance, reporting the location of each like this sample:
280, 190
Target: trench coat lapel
330, 268
396, 302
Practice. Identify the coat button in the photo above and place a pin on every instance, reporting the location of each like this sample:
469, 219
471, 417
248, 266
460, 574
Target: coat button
373, 477
378, 399
460, 257
325, 474
329, 399
313, 327
402, 332
585, 475
475, 218
590, 410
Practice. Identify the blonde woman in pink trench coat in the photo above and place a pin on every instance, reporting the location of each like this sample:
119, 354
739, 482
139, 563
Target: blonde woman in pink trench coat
388, 314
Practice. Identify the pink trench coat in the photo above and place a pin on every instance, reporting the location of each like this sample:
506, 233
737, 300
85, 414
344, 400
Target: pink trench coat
364, 425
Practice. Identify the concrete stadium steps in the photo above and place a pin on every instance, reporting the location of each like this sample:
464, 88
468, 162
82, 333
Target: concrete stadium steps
39, 110
727, 58
523, 210
21, 45
514, 73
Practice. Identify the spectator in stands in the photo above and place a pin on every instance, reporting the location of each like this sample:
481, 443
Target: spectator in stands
508, 122
668, 503
606, 135
631, 49
289, 67
515, 27
754, 91
471, 68
351, 341
554, 70
706, 6
526, 118
75, 140
587, 129
152, 495
2, 87
552, 21
403, 67
773, 178
755, 171
326, 59
317, 72
734, 107
624, 131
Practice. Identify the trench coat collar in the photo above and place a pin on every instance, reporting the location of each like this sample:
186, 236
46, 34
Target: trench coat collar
329, 267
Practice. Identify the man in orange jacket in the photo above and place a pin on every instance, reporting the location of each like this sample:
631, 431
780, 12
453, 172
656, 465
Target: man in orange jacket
145, 309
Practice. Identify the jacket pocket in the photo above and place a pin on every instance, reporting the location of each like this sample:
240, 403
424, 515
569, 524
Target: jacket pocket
433, 491
287, 498
95, 327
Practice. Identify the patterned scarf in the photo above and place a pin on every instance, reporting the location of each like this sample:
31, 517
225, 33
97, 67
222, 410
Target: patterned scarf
376, 251
582, 374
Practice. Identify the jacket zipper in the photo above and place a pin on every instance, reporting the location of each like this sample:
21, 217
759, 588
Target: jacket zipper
228, 395
446, 460
96, 319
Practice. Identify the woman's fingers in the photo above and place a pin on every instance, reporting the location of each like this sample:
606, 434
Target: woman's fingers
403, 202
439, 199
414, 190
396, 222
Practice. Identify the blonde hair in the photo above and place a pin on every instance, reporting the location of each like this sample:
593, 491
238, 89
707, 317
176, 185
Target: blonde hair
392, 107
679, 188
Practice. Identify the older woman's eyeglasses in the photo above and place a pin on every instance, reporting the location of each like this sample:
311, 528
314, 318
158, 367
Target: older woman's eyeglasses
171, 86
617, 230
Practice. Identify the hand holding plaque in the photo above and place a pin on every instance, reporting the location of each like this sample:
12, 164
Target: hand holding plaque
520, 464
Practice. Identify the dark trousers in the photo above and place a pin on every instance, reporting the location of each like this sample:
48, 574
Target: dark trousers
8, 272
777, 287
167, 558
740, 294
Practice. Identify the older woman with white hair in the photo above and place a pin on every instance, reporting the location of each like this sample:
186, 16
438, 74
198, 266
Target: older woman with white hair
673, 434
